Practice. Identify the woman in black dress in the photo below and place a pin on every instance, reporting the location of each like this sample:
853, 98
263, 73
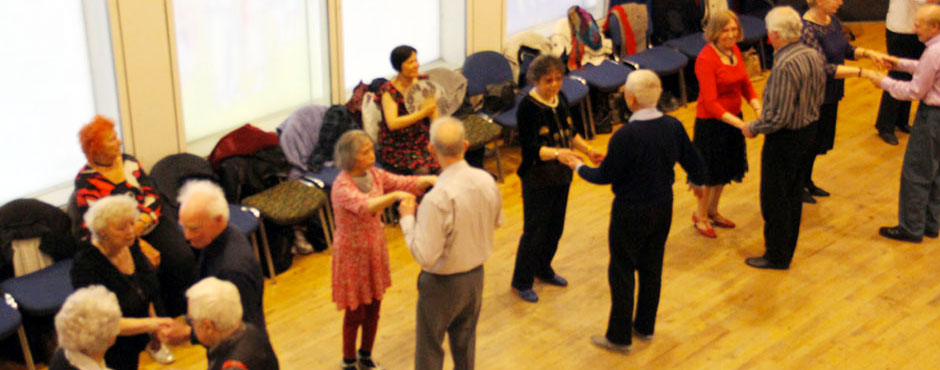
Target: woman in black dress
545, 132
115, 261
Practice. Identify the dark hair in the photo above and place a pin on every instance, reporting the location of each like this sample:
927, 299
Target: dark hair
400, 54
543, 65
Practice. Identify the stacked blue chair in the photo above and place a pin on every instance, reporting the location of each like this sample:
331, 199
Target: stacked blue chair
11, 321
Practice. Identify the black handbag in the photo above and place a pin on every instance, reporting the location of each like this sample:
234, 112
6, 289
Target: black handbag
499, 97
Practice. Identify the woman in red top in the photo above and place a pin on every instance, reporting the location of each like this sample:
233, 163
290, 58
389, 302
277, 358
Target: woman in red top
723, 81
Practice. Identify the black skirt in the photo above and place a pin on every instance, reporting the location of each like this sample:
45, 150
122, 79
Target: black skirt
724, 150
826, 134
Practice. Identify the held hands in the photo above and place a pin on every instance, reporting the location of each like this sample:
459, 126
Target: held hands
173, 332
746, 131
570, 159
873, 76
596, 157
407, 206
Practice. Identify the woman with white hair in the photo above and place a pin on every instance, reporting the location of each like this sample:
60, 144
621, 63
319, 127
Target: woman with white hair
115, 261
639, 166
361, 271
823, 32
86, 325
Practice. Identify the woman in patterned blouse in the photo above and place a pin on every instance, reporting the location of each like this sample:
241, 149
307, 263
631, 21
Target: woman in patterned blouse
403, 136
360, 260
109, 172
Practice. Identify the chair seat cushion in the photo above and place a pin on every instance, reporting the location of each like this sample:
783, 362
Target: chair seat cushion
42, 292
690, 45
242, 218
661, 60
326, 176
289, 202
480, 130
753, 28
606, 77
574, 91
10, 319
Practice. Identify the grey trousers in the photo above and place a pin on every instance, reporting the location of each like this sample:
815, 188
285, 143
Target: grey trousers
448, 304
919, 201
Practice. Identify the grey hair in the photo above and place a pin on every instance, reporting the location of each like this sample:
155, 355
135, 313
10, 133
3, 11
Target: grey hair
217, 301
543, 65
346, 148
644, 84
106, 210
450, 143
89, 320
216, 205
785, 22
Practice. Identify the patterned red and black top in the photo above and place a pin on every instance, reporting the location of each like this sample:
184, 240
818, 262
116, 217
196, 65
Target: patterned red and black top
404, 150
91, 185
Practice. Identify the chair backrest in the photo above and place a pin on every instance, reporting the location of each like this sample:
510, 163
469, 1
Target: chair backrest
483, 68
170, 173
525, 40
30, 218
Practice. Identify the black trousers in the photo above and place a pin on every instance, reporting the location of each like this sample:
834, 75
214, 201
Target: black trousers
637, 240
782, 164
823, 141
543, 214
893, 112
177, 270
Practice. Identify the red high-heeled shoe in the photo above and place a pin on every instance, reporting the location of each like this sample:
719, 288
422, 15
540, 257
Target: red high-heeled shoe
708, 232
720, 221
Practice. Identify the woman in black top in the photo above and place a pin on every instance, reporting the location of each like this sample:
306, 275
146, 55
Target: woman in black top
115, 261
545, 132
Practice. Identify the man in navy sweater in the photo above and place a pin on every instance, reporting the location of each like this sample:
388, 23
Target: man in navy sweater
639, 166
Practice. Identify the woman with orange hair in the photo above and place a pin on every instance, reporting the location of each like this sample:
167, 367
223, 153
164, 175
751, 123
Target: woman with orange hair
110, 172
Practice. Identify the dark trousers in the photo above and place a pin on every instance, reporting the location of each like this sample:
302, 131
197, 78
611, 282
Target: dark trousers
177, 270
893, 112
637, 240
919, 199
448, 304
782, 162
543, 214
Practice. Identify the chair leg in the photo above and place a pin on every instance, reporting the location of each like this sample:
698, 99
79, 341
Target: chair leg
267, 251
590, 114
325, 226
499, 163
27, 354
760, 45
329, 217
682, 92
254, 246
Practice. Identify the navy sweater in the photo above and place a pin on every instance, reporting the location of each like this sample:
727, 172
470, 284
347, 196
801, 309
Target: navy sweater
640, 159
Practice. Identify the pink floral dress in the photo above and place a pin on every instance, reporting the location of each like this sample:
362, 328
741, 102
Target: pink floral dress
360, 259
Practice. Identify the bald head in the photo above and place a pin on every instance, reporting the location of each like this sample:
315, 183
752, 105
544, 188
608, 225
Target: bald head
448, 138
927, 22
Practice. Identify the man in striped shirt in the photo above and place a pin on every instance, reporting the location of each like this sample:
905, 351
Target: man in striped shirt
792, 97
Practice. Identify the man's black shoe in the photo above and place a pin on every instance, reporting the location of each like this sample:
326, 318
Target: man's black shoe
762, 263
817, 191
931, 234
897, 233
905, 128
806, 197
888, 137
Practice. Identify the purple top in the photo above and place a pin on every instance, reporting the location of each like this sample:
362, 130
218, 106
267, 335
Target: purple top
925, 85
829, 41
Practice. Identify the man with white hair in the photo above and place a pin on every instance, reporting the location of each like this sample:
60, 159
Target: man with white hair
225, 250
215, 314
792, 97
451, 238
919, 198
639, 166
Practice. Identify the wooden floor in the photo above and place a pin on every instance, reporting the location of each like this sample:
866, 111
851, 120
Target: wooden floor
851, 299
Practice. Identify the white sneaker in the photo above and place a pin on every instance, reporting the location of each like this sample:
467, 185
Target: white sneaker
301, 245
162, 355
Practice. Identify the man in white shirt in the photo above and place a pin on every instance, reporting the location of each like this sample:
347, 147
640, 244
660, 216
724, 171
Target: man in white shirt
450, 239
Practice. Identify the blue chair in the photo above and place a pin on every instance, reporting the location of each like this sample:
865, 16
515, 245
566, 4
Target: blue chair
10, 321
483, 68
248, 220
755, 31
663, 61
577, 92
42, 292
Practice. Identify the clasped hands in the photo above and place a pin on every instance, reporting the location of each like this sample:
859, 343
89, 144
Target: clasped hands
571, 159
170, 331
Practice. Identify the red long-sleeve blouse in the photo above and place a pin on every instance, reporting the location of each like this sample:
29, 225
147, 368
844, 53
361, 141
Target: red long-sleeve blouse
721, 86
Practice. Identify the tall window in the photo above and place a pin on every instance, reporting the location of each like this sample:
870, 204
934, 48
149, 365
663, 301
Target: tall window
372, 28
57, 72
243, 60
541, 15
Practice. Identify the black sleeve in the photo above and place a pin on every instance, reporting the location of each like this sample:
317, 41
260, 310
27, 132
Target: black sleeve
689, 157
